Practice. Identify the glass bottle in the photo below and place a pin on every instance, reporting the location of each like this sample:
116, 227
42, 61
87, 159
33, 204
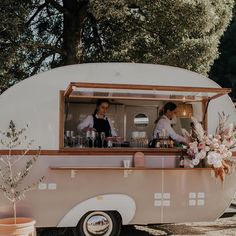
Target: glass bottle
181, 159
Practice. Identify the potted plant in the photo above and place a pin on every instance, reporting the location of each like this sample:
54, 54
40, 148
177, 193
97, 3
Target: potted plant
13, 171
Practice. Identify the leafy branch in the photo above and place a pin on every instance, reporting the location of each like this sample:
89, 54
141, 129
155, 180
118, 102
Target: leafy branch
11, 175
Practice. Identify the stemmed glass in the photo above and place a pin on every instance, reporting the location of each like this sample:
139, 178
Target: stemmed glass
103, 136
93, 137
88, 137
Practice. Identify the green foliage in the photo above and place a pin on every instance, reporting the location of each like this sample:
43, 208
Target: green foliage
224, 68
38, 35
173, 32
12, 40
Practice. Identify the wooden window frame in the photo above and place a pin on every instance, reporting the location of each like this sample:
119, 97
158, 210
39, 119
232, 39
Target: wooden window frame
67, 94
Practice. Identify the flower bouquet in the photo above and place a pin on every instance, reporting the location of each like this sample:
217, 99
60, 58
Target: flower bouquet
215, 150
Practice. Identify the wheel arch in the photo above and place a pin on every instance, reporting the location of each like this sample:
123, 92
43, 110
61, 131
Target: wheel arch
121, 203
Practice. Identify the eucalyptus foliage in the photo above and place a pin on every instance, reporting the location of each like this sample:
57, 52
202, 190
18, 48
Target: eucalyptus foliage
40, 34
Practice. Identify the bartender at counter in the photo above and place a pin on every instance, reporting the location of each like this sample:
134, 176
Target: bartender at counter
98, 121
163, 123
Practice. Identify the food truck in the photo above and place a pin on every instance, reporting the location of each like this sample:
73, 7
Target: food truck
98, 189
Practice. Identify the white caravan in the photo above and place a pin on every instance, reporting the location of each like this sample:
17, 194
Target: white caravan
89, 187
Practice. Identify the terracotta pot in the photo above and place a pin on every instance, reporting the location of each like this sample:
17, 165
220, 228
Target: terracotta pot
23, 227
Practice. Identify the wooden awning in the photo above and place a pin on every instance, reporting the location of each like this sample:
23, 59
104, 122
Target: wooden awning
143, 92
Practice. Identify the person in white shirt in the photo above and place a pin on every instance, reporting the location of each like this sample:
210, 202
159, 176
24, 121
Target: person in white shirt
163, 123
98, 121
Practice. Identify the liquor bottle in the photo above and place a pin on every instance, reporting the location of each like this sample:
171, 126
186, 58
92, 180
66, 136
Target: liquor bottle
170, 143
163, 139
109, 142
181, 160
157, 144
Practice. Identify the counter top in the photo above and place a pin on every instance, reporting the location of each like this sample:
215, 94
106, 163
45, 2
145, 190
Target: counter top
99, 151
118, 168
121, 151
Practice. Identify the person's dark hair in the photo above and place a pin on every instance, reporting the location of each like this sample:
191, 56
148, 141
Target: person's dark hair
169, 106
99, 102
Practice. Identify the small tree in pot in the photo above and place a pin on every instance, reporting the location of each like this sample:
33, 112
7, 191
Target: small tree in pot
15, 168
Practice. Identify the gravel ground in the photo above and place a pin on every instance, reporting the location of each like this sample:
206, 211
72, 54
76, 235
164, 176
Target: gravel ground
221, 227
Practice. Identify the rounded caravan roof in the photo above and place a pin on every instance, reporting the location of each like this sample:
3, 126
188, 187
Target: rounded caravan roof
35, 101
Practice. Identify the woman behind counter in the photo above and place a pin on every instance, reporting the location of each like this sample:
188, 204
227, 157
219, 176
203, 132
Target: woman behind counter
98, 120
164, 123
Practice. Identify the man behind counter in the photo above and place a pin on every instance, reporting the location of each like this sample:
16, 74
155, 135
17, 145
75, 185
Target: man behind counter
98, 121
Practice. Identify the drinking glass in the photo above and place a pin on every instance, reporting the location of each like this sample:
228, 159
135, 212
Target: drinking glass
126, 163
103, 136
97, 139
93, 137
79, 141
119, 141
88, 137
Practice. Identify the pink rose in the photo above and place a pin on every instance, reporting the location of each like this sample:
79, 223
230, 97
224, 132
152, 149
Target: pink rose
201, 145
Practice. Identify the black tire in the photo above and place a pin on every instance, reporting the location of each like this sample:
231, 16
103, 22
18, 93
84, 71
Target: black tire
113, 218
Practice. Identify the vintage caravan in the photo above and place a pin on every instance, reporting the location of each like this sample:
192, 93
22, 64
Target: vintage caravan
89, 187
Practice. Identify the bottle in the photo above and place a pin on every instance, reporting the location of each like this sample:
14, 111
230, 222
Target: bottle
165, 141
109, 142
181, 160
170, 143
158, 144
165, 138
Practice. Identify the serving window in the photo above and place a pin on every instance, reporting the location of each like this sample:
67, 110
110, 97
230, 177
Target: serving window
133, 109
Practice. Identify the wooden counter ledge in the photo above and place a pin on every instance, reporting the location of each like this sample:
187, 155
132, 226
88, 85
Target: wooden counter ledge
119, 168
100, 151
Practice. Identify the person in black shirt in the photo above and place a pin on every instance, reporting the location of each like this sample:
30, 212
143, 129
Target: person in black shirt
98, 121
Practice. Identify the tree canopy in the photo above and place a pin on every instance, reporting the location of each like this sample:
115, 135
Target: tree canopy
224, 69
40, 34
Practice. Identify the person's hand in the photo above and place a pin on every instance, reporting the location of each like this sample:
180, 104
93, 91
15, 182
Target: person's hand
188, 140
118, 139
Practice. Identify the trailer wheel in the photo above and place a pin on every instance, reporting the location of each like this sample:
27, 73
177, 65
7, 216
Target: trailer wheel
100, 223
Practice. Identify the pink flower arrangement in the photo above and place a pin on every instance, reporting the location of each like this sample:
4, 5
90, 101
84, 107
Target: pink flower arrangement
215, 149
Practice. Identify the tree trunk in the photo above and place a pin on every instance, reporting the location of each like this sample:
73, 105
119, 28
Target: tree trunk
14, 211
74, 16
